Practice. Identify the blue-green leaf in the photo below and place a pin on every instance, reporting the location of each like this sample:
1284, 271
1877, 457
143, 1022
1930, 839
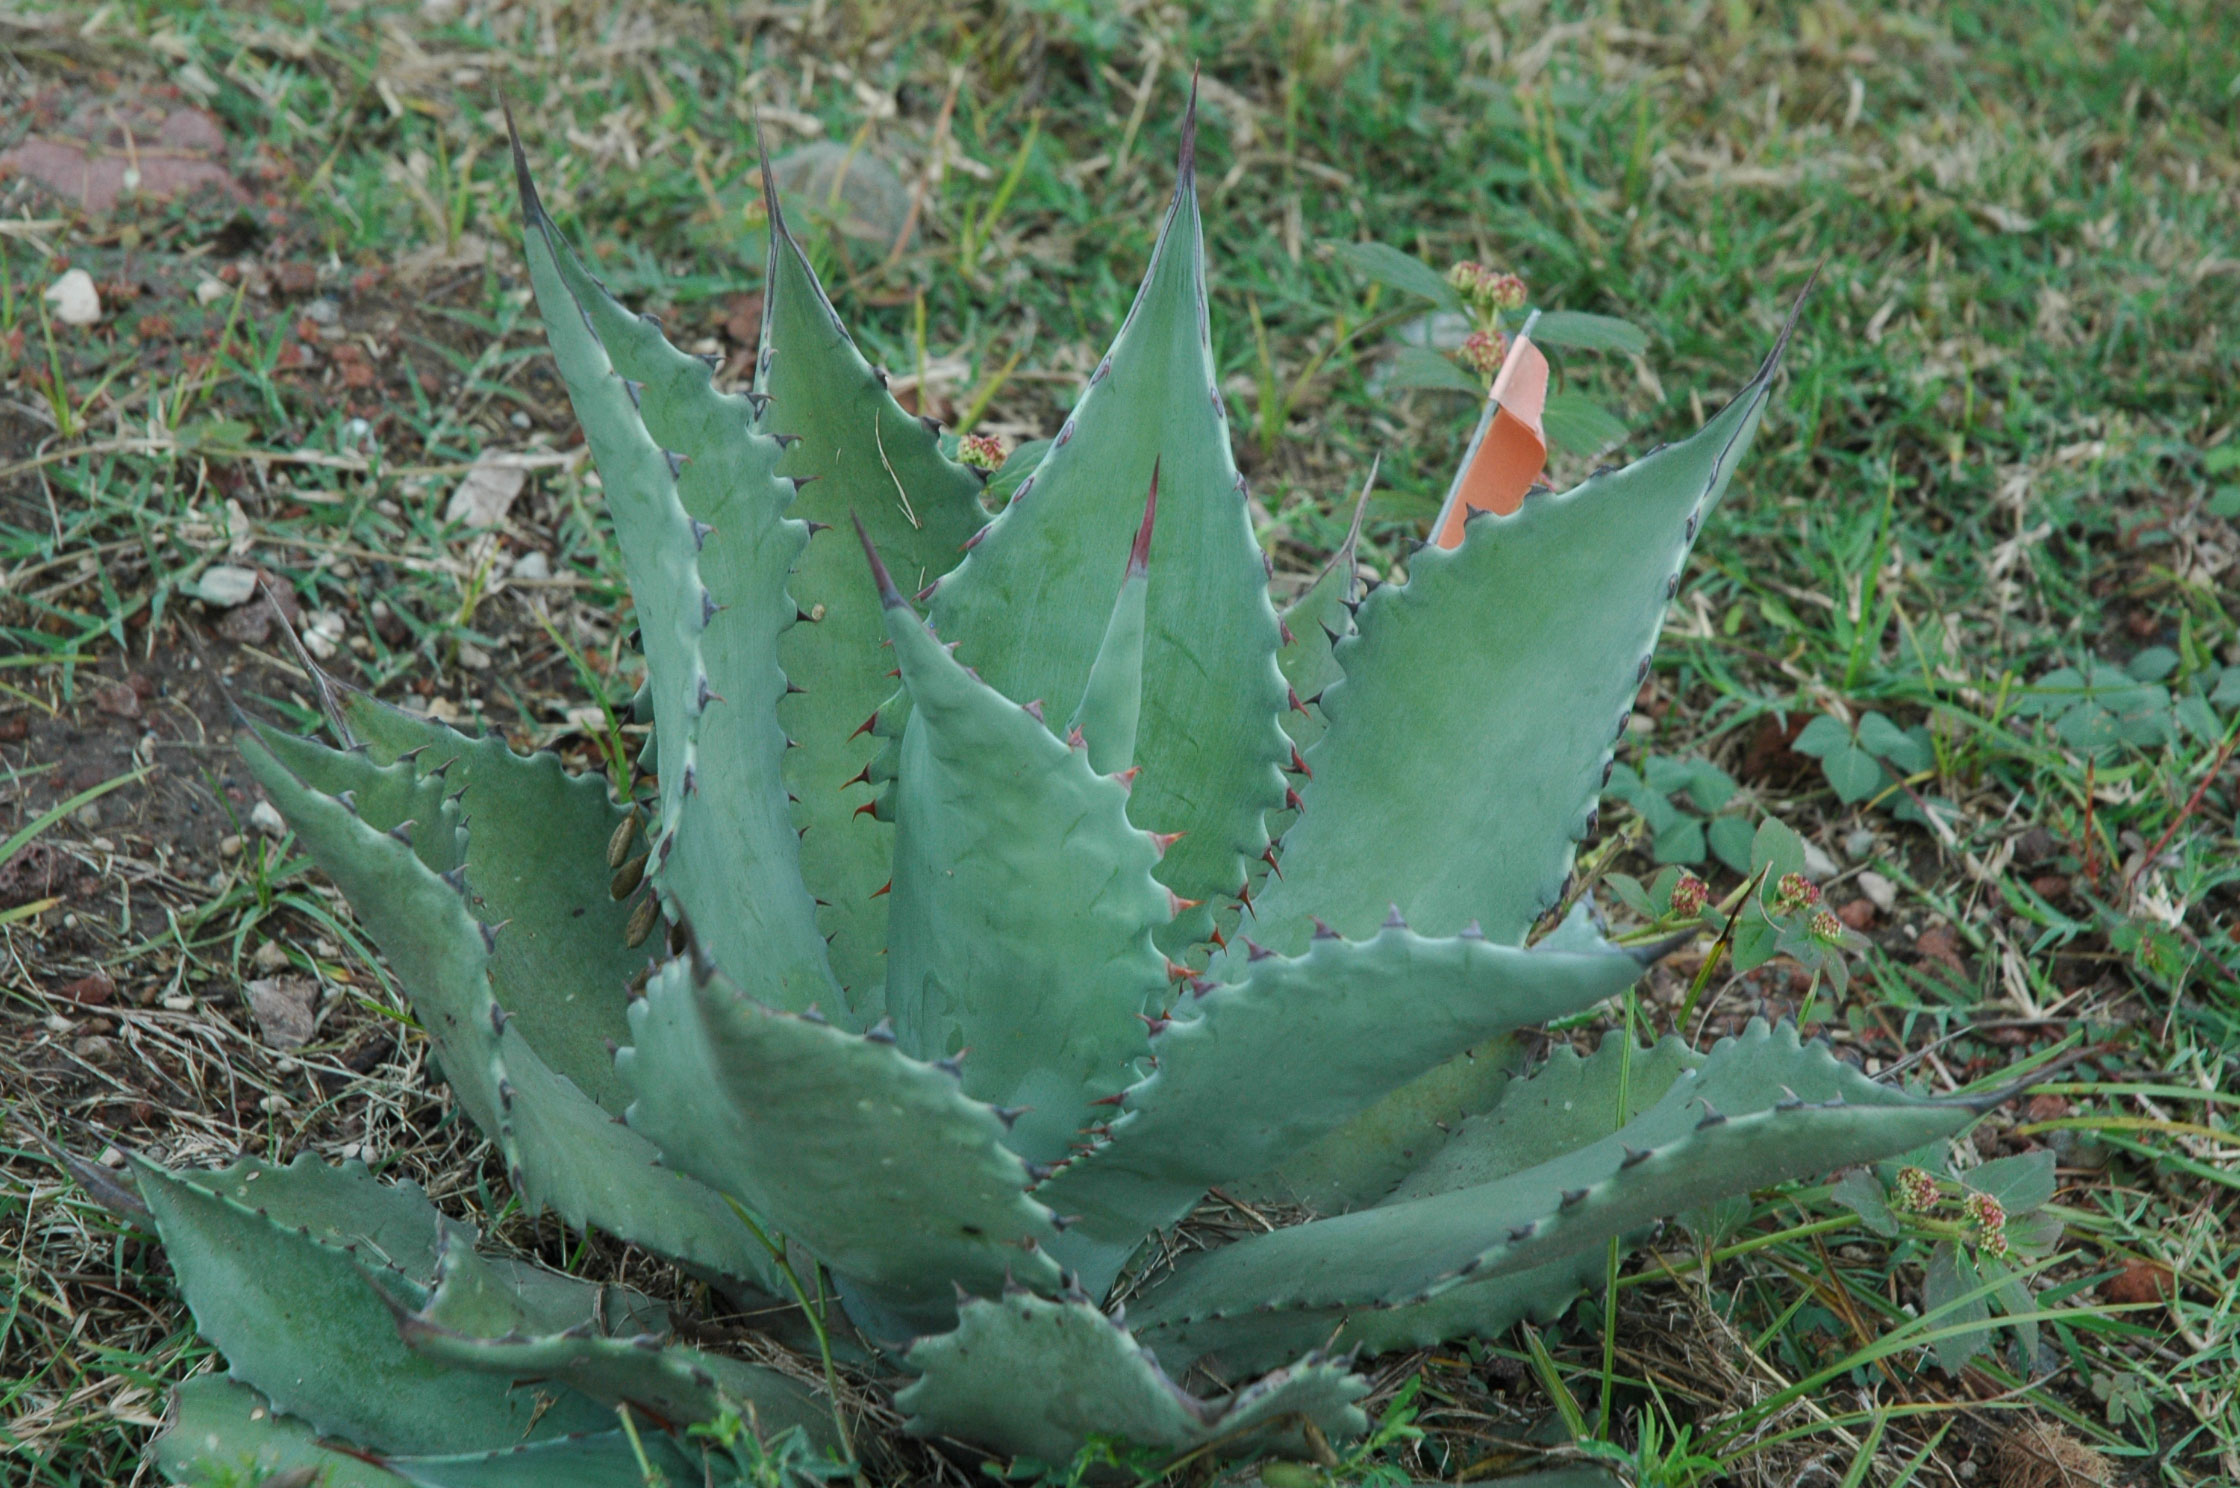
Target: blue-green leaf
1822, 737
1421, 367
1854, 773
1950, 1276
1029, 606
1861, 1192
2020, 1183
1482, 698
1381, 263
1579, 425
1730, 842
1579, 329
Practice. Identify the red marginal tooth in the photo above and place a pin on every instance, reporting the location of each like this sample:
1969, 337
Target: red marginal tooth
1269, 858
1176, 904
1219, 939
1127, 777
1291, 799
875, 893
1284, 630
1299, 763
1293, 694
1165, 840
866, 806
864, 778
1177, 972
865, 726
1115, 1098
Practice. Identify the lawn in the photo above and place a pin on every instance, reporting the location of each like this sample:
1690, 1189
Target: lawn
1967, 622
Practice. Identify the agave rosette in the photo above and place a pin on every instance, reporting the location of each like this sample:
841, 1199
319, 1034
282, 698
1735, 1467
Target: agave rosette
955, 968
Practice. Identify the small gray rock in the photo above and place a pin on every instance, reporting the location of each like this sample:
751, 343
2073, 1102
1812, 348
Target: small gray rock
282, 1006
226, 585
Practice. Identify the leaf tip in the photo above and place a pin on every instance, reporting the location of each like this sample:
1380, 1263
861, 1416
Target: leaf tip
889, 596
1139, 552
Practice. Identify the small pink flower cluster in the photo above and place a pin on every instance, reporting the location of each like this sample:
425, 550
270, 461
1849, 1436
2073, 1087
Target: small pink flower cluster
1826, 927
1690, 895
1489, 291
1991, 1223
1795, 891
1916, 1191
1483, 352
981, 451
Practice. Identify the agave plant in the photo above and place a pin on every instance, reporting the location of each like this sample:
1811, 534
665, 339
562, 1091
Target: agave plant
936, 976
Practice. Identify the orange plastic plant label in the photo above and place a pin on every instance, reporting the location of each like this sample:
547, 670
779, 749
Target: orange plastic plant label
1510, 450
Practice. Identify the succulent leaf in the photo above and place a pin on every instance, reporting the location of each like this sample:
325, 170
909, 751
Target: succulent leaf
1566, 1103
1248, 1338
1365, 1157
1563, 1105
1031, 603
387, 1227
604, 1459
860, 455
660, 544
491, 1296
1284, 1056
1112, 702
1033, 1377
878, 1163
565, 1149
474, 1321
1725, 1129
1482, 698
219, 1427
1315, 621
1024, 905
536, 863
729, 858
297, 1318
388, 796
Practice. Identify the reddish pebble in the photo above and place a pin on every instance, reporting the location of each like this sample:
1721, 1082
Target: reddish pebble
1940, 944
2141, 1281
118, 699
97, 990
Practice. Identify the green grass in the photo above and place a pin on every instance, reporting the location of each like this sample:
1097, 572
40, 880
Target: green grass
2004, 446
